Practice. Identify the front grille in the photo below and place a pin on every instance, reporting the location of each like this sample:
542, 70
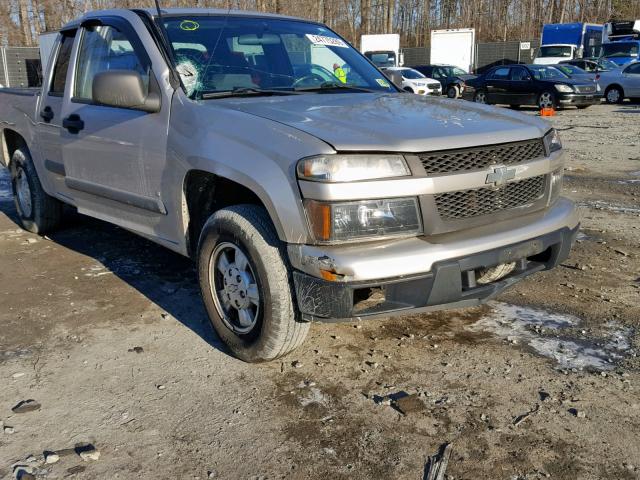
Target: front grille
586, 89
486, 200
478, 158
433, 86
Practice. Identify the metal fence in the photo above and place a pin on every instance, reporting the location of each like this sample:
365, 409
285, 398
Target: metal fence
486, 56
20, 67
503, 53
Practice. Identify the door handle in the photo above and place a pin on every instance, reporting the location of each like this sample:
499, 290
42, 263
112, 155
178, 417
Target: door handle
73, 123
47, 114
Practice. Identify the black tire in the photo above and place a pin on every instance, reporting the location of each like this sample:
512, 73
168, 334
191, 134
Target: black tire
479, 95
614, 95
42, 213
542, 98
408, 89
452, 92
277, 329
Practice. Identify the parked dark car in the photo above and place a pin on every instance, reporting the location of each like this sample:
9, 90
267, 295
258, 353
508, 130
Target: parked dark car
453, 79
541, 85
594, 65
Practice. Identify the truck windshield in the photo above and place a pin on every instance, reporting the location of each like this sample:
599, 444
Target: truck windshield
382, 59
229, 53
555, 51
620, 49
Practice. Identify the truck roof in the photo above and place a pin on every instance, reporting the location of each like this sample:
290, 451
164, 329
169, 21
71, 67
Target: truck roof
182, 11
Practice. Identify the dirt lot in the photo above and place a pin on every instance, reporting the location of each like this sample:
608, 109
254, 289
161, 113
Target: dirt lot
521, 392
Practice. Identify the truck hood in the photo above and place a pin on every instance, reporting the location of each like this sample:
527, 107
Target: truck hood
391, 122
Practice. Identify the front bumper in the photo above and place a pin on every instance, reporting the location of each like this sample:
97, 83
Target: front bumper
579, 99
423, 274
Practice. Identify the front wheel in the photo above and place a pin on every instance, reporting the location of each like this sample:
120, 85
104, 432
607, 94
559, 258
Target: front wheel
246, 284
408, 89
452, 91
547, 100
480, 97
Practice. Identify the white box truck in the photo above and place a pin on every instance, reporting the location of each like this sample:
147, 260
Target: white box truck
383, 49
454, 47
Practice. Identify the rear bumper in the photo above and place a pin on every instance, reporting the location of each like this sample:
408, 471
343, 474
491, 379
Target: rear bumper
449, 284
579, 99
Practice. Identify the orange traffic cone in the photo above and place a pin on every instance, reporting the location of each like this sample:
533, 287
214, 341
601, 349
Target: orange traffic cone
547, 112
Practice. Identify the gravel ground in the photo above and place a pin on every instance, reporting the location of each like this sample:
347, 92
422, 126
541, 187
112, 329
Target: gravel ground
106, 332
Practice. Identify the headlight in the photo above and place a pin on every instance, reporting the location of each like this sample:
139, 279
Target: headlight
556, 184
561, 87
351, 168
552, 141
358, 220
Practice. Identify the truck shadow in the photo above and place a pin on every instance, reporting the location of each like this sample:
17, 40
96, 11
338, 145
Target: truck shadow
165, 278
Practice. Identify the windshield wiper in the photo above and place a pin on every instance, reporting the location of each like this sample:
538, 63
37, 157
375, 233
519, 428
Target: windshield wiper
242, 91
326, 86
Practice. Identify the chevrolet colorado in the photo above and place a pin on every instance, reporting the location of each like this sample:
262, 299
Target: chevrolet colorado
302, 195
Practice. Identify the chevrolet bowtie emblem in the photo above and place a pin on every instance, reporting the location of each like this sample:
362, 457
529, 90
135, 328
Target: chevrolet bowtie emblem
500, 176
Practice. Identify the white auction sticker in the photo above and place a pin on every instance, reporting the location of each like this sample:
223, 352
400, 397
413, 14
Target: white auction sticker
328, 41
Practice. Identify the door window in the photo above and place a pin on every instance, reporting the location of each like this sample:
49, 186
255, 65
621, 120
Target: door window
102, 49
520, 75
59, 80
633, 69
500, 74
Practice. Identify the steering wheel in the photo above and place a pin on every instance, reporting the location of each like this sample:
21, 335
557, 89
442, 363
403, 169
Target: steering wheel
312, 76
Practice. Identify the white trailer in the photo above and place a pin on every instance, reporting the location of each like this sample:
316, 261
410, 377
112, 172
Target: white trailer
383, 50
454, 47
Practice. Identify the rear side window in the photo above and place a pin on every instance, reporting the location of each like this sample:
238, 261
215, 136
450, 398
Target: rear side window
61, 66
102, 49
519, 74
633, 69
501, 74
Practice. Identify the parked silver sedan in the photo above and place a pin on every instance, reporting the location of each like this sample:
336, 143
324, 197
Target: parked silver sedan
621, 83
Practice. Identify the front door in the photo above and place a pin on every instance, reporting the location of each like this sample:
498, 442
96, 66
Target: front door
113, 157
521, 90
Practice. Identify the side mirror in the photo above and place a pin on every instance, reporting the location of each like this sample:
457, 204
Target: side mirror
124, 89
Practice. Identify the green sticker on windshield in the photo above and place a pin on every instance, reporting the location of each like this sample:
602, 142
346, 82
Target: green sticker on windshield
382, 82
189, 25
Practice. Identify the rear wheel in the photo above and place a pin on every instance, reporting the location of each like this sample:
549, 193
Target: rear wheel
480, 97
246, 284
547, 100
452, 91
614, 95
38, 211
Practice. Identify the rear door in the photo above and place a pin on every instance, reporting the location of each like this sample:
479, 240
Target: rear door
113, 157
631, 80
49, 116
497, 83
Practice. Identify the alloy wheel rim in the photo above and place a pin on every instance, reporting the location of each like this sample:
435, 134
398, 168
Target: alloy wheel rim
23, 192
613, 95
481, 98
234, 288
546, 100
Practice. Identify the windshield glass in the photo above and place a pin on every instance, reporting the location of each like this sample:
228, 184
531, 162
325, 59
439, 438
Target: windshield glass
455, 71
620, 49
543, 72
223, 53
555, 51
570, 69
411, 74
605, 64
382, 59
